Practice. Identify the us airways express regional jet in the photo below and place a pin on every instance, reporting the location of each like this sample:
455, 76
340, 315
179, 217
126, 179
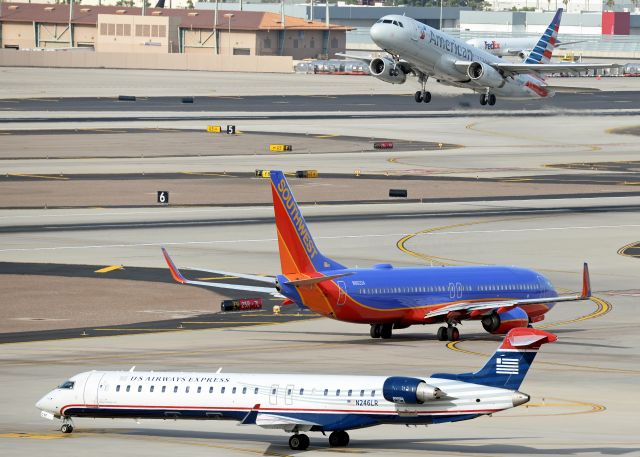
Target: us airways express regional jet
416, 48
298, 403
390, 298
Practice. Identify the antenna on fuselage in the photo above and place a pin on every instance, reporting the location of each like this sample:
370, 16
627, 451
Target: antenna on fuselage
132, 368
219, 370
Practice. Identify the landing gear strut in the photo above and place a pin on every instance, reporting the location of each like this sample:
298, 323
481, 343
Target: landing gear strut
383, 331
67, 425
449, 333
299, 442
339, 438
423, 95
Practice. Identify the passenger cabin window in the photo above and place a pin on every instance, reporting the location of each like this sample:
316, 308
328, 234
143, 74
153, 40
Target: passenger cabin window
140, 388
349, 393
118, 388
273, 391
301, 391
151, 389
222, 390
175, 389
199, 389
244, 390
255, 391
211, 390
362, 393
288, 391
233, 391
326, 392
164, 389
186, 389
128, 388
67, 385
338, 393
373, 393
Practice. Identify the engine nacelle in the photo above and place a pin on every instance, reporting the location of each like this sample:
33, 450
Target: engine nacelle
387, 71
409, 391
485, 75
523, 54
501, 323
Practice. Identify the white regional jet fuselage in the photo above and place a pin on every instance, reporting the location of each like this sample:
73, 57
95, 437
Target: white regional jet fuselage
436, 53
297, 403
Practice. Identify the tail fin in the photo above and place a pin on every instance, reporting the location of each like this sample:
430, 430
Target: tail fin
508, 366
298, 251
547, 42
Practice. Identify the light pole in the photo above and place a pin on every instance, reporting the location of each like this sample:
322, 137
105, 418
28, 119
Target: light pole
229, 16
441, 15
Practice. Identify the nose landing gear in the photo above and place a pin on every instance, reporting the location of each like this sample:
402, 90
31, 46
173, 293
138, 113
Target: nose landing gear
488, 99
67, 425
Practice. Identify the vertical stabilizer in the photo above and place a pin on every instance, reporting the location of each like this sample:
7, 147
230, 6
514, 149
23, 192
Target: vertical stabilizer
508, 366
543, 50
298, 251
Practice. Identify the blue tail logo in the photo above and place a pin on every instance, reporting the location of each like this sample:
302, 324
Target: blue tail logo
543, 50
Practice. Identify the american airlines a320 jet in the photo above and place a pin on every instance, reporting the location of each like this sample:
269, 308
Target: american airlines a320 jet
299, 403
388, 298
415, 48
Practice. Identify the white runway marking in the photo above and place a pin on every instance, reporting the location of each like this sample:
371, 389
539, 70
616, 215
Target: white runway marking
373, 235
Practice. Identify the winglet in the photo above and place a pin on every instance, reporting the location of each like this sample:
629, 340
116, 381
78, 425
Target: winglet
250, 418
526, 338
177, 276
586, 282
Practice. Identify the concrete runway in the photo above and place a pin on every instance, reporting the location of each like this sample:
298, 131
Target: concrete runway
584, 388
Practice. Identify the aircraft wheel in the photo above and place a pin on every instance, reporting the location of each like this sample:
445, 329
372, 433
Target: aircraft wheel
492, 99
453, 334
299, 442
66, 428
418, 96
442, 334
386, 331
483, 99
427, 97
375, 330
339, 438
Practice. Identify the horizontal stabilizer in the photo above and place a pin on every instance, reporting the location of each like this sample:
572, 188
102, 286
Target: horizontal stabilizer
319, 279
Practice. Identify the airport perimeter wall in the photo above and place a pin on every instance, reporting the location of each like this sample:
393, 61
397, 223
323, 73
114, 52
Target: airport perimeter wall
137, 61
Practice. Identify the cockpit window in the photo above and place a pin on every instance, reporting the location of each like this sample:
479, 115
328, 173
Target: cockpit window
395, 22
400, 24
67, 385
388, 21
378, 21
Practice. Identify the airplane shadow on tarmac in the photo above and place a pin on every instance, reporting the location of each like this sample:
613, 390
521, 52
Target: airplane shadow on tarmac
495, 445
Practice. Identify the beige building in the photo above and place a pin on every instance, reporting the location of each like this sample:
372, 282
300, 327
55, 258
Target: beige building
160, 31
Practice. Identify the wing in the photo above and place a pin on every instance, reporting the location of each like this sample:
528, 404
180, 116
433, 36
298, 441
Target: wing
284, 422
268, 279
407, 67
491, 305
536, 68
572, 90
178, 277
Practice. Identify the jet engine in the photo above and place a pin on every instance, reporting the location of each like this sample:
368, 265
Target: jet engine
523, 54
501, 323
409, 391
485, 75
387, 71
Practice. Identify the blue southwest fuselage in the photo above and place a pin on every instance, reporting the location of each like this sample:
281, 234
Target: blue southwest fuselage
404, 296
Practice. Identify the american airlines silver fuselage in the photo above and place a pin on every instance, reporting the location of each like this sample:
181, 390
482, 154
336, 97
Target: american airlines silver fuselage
435, 53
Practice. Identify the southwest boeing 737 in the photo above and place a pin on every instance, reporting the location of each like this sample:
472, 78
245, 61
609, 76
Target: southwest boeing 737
388, 298
416, 48
299, 403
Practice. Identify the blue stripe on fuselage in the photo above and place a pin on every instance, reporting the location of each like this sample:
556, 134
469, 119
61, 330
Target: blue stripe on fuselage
398, 288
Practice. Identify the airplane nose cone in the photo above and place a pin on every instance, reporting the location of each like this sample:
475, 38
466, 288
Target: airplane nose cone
376, 33
46, 404
520, 399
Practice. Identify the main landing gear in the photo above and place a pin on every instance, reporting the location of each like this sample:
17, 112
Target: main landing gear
383, 331
449, 333
488, 99
67, 426
300, 442
423, 95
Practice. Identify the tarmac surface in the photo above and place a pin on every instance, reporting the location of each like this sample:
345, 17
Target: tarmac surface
528, 189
